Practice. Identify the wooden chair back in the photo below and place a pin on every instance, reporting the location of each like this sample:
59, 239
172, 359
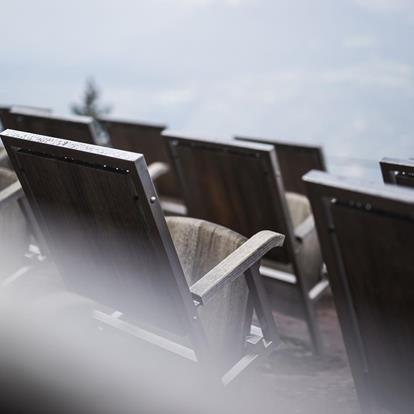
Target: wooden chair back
294, 160
99, 214
365, 232
235, 184
145, 139
7, 122
79, 128
398, 172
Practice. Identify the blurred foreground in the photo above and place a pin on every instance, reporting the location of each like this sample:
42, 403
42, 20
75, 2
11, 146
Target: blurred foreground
56, 358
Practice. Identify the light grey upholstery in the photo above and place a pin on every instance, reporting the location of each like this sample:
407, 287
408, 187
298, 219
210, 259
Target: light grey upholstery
309, 252
226, 318
299, 208
309, 256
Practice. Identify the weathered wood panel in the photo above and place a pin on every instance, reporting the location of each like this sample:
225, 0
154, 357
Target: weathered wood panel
294, 160
145, 139
365, 234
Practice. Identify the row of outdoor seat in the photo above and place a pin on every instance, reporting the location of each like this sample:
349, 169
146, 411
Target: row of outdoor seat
100, 215
237, 184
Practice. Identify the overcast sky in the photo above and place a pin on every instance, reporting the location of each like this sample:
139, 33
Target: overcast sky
337, 72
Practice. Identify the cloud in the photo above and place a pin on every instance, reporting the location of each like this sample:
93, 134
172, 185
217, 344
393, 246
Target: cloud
360, 41
195, 3
381, 73
360, 110
385, 6
171, 97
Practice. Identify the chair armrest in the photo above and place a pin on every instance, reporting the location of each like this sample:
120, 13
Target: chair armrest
235, 264
305, 228
10, 193
157, 169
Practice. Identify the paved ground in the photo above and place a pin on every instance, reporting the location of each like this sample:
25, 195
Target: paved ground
294, 381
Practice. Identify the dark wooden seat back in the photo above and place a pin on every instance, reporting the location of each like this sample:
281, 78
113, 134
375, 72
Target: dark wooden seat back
7, 121
79, 128
4, 117
145, 139
399, 172
366, 236
235, 184
294, 160
98, 211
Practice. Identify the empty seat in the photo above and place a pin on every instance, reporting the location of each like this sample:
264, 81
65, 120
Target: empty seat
237, 184
365, 231
188, 287
294, 160
147, 139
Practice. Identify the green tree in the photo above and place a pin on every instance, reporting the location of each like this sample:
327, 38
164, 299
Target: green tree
90, 105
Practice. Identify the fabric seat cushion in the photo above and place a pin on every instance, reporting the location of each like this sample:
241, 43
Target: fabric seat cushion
299, 208
226, 317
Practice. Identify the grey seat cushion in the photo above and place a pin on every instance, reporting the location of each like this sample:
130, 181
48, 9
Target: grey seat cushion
309, 253
299, 208
226, 318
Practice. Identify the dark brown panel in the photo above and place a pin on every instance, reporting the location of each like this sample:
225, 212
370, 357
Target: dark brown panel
379, 269
294, 160
108, 240
80, 129
365, 232
233, 184
399, 172
145, 139
7, 121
